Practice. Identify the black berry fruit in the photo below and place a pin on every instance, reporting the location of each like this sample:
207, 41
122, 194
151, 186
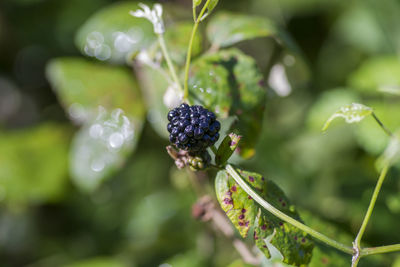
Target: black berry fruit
193, 128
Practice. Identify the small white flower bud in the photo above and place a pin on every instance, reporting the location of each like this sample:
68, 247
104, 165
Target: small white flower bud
153, 15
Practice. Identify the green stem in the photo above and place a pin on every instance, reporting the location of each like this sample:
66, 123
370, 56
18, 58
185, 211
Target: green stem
190, 47
194, 14
379, 250
169, 61
386, 130
357, 241
283, 216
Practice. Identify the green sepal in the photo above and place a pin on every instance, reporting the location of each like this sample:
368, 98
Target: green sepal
226, 148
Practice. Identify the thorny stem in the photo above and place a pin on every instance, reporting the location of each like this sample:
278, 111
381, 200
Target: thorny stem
386, 130
236, 176
190, 47
169, 61
357, 241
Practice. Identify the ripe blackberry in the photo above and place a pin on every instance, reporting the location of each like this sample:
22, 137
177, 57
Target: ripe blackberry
192, 128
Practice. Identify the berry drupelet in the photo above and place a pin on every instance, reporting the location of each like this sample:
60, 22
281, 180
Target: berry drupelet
192, 128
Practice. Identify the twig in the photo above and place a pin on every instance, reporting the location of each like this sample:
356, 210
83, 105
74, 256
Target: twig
384, 128
357, 241
223, 225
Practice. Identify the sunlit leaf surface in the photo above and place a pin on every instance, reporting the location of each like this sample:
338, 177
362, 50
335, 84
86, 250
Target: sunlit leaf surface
111, 33
107, 100
294, 245
82, 86
102, 146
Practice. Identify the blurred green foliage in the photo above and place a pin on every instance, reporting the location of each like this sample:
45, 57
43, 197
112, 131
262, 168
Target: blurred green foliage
134, 209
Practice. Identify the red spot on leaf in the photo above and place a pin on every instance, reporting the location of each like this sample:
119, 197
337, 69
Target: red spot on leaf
255, 236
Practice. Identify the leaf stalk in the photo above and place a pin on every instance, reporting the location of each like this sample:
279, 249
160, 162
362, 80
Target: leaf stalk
197, 21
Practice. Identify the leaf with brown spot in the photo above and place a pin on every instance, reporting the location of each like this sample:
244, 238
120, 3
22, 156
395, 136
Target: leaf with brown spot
294, 244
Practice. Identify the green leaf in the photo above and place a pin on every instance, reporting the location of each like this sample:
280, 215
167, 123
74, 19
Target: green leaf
111, 33
177, 38
196, 3
391, 155
328, 257
378, 74
227, 28
102, 146
324, 255
230, 84
154, 84
98, 262
226, 148
212, 5
352, 113
82, 86
108, 101
294, 245
34, 164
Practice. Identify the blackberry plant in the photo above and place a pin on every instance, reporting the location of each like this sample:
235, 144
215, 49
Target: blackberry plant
189, 102
250, 201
